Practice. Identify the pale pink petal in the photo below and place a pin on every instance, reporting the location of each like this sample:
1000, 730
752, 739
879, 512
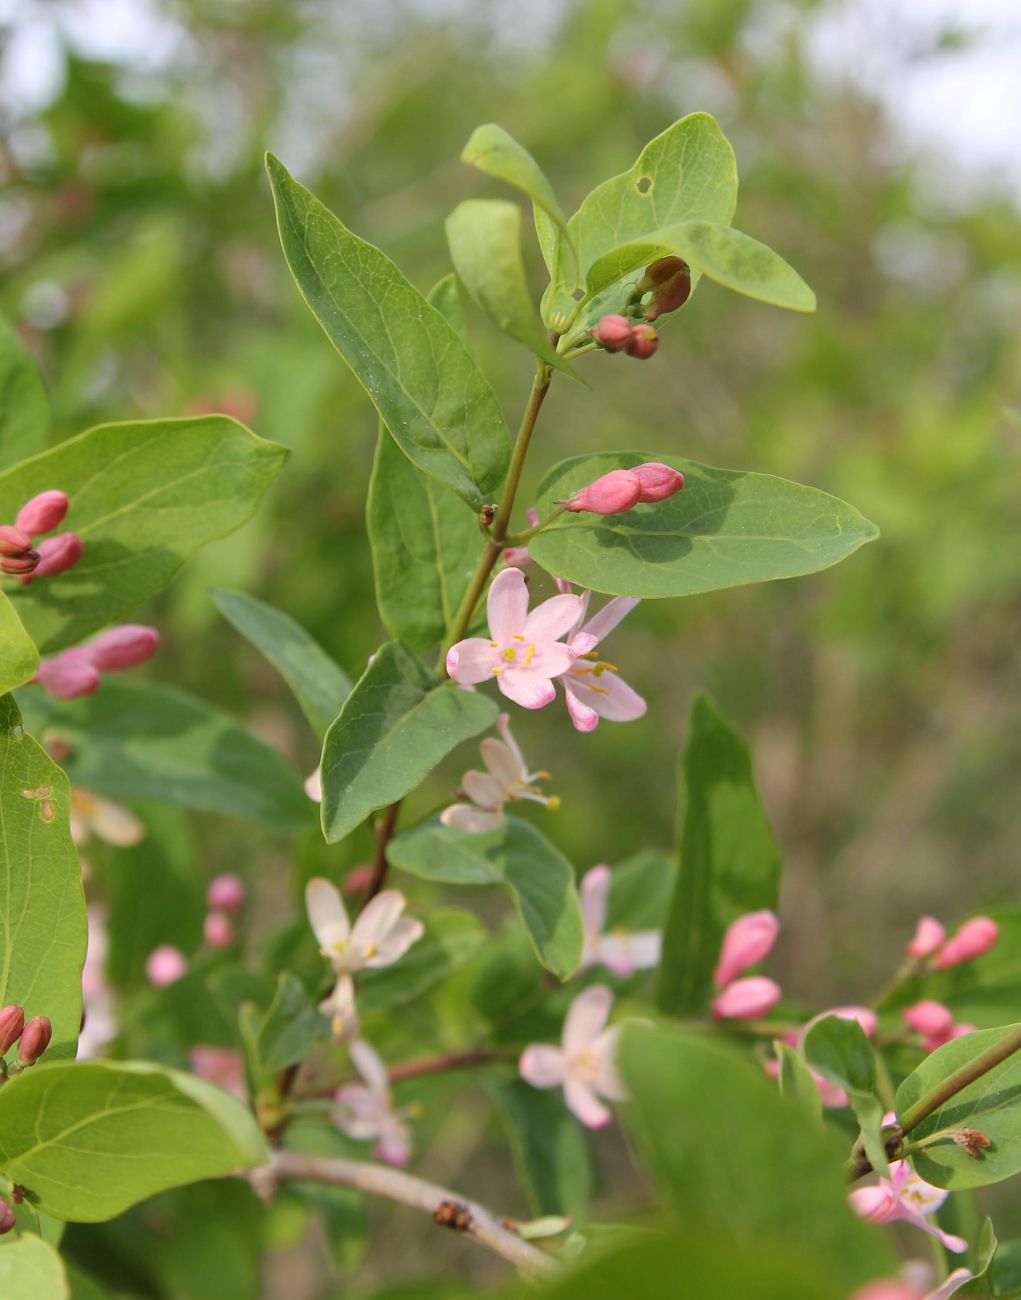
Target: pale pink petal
314, 785
115, 824
584, 1104
363, 1114
552, 619
877, 1204
581, 643
326, 914
484, 790
593, 892
551, 659
526, 688
583, 717
472, 661
608, 1082
630, 951
542, 1066
602, 624
394, 1147
505, 768
585, 1019
466, 817
339, 1008
396, 942
956, 1279
503, 727
612, 698
376, 918
507, 605
369, 1064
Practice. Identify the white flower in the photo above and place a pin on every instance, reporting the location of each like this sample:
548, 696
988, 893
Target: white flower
368, 1108
506, 779
623, 951
583, 1064
92, 816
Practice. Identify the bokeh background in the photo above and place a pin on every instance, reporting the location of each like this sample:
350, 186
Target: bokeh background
878, 152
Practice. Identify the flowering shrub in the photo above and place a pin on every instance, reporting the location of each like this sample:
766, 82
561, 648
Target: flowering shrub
632, 996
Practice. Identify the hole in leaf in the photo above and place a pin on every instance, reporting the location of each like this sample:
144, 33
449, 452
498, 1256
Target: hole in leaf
644, 185
578, 295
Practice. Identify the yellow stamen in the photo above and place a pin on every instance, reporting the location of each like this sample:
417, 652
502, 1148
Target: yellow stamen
494, 645
510, 654
517, 637
600, 690
497, 671
553, 802
370, 950
529, 655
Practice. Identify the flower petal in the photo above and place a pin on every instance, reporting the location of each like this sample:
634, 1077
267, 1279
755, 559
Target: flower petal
472, 661
585, 1019
396, 942
551, 659
507, 605
611, 698
377, 917
877, 1204
466, 817
542, 1066
326, 914
369, 1064
608, 1082
602, 624
485, 790
584, 717
592, 893
116, 825
502, 762
583, 1103
526, 688
552, 619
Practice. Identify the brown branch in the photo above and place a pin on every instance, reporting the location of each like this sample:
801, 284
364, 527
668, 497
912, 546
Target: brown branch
383, 834
425, 1065
449, 1209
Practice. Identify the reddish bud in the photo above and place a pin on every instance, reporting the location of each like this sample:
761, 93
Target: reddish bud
928, 936
746, 942
122, 647
226, 893
973, 939
67, 675
35, 1038
929, 1018
19, 565
218, 931
13, 541
165, 965
613, 333
7, 1218
12, 1022
644, 342
609, 495
661, 272
56, 554
658, 481
43, 512
747, 999
672, 290
357, 880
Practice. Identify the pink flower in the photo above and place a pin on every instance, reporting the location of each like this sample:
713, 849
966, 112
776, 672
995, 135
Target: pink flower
613, 332
973, 939
44, 512
220, 1065
56, 555
583, 1064
905, 1196
621, 950
747, 999
218, 930
368, 1112
747, 941
591, 685
165, 965
931, 1019
658, 481
928, 936
226, 892
525, 652
314, 786
644, 342
77, 672
611, 494
506, 779
379, 937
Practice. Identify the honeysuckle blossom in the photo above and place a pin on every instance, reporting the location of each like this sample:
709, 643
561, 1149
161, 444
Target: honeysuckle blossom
368, 1112
591, 685
379, 937
525, 652
583, 1063
905, 1196
623, 951
506, 779
906, 1288
746, 942
91, 815
934, 1022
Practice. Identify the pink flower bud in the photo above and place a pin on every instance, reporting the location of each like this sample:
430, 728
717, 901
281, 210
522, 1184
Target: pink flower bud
226, 893
67, 675
609, 495
658, 481
19, 566
35, 1038
56, 554
963, 1028
7, 1218
123, 647
357, 880
973, 939
218, 931
13, 541
747, 999
644, 342
12, 1022
613, 333
928, 936
43, 512
669, 279
165, 965
746, 942
929, 1018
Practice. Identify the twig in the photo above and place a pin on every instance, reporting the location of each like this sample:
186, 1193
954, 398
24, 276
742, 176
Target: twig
421, 1065
449, 1209
383, 834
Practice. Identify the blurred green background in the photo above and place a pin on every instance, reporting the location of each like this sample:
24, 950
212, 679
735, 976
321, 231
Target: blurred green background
139, 261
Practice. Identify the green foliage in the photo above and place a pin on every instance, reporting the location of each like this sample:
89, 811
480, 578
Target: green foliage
726, 528
796, 1082
728, 860
24, 406
320, 686
88, 1140
840, 1051
395, 726
429, 392
19, 658
516, 856
134, 741
451, 937
30, 1266
550, 1153
42, 939
145, 497
290, 1027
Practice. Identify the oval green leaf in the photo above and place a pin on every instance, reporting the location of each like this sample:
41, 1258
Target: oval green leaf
30, 1269
24, 406
19, 658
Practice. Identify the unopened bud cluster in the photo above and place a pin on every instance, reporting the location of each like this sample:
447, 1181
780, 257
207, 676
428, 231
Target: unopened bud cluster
33, 1037
617, 334
22, 556
621, 489
79, 671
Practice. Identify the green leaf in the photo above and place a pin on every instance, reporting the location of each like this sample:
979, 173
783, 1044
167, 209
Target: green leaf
724, 1147
992, 1105
725, 529
42, 921
428, 390
725, 255
484, 236
291, 1026
729, 862
30, 1269
796, 1082
24, 406
400, 720
319, 684
19, 658
89, 1139
839, 1050
516, 856
145, 497
550, 1152
640, 890
451, 938
135, 741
